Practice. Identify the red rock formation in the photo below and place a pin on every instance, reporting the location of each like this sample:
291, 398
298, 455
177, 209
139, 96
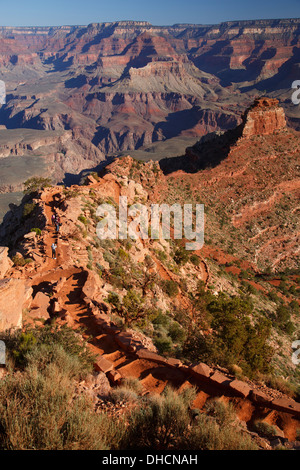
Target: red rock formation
265, 117
129, 85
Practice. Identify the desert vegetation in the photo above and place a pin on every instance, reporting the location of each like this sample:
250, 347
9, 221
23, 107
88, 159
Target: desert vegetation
40, 409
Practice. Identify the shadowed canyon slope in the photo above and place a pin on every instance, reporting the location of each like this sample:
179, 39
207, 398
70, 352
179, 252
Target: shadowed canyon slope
103, 89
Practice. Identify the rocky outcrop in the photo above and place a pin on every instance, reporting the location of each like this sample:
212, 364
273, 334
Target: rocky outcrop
5, 262
13, 297
264, 117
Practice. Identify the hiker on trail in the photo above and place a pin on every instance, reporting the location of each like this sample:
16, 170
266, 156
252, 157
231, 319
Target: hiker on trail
57, 226
53, 247
53, 219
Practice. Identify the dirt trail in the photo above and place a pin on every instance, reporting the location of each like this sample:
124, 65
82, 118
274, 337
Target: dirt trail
154, 376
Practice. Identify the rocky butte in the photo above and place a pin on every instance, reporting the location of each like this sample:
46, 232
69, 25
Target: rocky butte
264, 117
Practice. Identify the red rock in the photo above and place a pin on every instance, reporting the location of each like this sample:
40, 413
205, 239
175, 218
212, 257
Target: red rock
201, 370
110, 329
240, 388
260, 397
40, 300
99, 382
286, 405
219, 378
174, 362
264, 117
5, 262
12, 296
103, 365
114, 376
92, 286
123, 340
150, 356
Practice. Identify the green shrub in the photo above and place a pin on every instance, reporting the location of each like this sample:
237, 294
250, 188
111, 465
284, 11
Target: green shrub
283, 314
132, 383
167, 422
278, 383
160, 421
114, 299
160, 319
164, 344
20, 261
223, 413
207, 434
195, 260
28, 209
22, 345
37, 231
234, 338
265, 429
170, 288
38, 411
176, 332
35, 184
83, 219
181, 256
123, 394
39, 408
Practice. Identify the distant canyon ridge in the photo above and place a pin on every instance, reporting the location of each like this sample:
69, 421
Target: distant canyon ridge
79, 95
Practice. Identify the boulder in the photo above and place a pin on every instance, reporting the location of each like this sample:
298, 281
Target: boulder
115, 377
92, 286
12, 296
240, 388
219, 379
260, 397
201, 371
5, 262
38, 308
103, 365
150, 356
286, 405
98, 381
40, 300
172, 362
123, 340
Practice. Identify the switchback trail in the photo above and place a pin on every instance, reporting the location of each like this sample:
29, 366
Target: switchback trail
70, 281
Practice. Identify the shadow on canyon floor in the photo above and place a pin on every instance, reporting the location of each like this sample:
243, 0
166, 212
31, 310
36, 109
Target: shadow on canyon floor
206, 153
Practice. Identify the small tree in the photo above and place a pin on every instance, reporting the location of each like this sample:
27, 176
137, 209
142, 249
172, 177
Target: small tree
36, 183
